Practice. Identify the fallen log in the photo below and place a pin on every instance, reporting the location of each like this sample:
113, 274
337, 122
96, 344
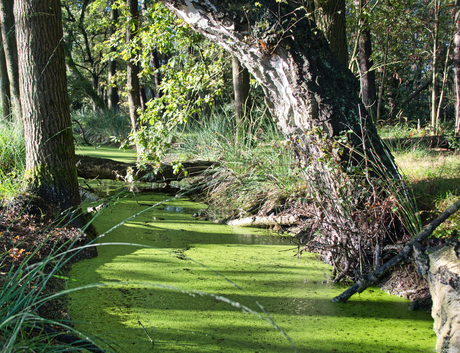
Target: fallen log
103, 168
370, 279
256, 221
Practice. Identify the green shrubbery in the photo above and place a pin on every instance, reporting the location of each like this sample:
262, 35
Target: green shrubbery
110, 127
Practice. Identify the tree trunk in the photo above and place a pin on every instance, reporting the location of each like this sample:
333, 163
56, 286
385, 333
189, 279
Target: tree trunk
330, 17
5, 87
434, 92
383, 78
241, 91
444, 280
11, 52
50, 156
457, 66
103, 168
112, 97
368, 87
156, 75
313, 97
132, 70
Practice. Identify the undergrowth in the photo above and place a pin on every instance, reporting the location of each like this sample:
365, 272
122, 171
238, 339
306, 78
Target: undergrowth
257, 171
12, 158
31, 265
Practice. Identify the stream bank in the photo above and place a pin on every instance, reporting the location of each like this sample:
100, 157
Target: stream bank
193, 285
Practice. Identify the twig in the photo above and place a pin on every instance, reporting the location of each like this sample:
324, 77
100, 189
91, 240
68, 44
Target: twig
150, 338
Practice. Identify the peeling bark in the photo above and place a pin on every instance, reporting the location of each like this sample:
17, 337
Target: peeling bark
444, 283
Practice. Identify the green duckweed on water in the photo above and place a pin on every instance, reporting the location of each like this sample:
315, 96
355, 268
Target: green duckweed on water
197, 286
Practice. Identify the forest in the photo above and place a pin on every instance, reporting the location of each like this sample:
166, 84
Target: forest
331, 124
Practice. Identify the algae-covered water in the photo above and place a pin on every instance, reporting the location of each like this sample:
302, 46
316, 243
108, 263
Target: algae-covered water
198, 286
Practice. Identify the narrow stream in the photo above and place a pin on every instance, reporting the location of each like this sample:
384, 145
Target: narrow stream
197, 286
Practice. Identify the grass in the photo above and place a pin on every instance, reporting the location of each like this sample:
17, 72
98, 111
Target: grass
401, 131
12, 158
434, 177
257, 170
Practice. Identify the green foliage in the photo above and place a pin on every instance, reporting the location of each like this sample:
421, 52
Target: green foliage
406, 29
12, 158
101, 128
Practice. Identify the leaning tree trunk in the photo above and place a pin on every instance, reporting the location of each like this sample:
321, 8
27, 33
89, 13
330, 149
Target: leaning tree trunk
11, 52
311, 95
50, 156
315, 101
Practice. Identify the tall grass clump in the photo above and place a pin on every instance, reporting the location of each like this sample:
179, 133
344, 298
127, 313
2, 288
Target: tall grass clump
257, 170
12, 158
99, 128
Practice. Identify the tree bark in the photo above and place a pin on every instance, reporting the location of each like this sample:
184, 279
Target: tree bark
241, 92
5, 87
112, 96
330, 17
50, 155
11, 52
457, 66
132, 70
444, 281
313, 97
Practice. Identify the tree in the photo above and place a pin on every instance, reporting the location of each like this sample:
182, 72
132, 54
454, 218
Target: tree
435, 53
132, 84
457, 66
330, 16
367, 72
50, 156
241, 92
11, 51
85, 84
312, 96
112, 94
4, 87
85, 30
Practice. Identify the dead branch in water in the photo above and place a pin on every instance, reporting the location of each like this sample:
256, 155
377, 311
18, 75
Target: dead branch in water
369, 279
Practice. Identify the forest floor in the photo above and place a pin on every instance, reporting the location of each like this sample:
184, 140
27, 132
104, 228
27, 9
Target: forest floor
27, 239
